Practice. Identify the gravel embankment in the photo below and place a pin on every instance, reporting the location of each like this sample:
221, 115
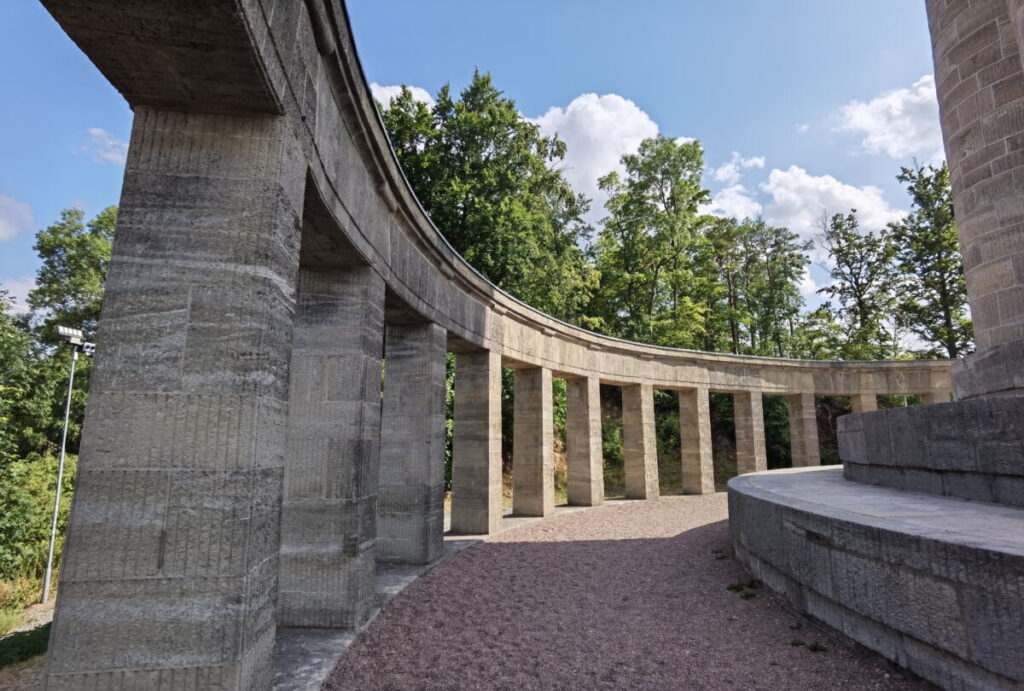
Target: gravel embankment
629, 595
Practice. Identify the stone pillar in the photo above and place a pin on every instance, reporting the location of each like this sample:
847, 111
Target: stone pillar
695, 438
638, 443
583, 441
328, 522
803, 430
748, 413
170, 569
476, 444
864, 402
980, 85
936, 397
533, 465
410, 511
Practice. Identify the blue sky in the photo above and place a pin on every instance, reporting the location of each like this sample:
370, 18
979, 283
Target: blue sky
821, 100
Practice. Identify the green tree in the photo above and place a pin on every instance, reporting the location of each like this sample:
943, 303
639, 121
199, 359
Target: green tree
15, 380
864, 284
69, 284
775, 262
646, 250
933, 294
490, 182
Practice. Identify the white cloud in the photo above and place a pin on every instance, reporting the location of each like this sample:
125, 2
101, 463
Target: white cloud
19, 288
598, 131
900, 123
385, 94
802, 127
15, 217
731, 171
798, 200
105, 148
734, 201
808, 286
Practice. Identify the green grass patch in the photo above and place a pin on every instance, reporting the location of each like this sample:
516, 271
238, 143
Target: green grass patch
23, 645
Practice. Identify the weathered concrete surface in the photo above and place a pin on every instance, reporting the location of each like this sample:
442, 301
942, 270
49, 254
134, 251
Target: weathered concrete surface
980, 85
583, 442
533, 462
640, 454
328, 520
748, 413
584, 455
695, 438
968, 449
170, 567
476, 444
803, 431
932, 583
863, 403
410, 512
183, 456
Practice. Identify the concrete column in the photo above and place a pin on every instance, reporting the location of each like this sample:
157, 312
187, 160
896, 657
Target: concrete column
583, 441
936, 397
638, 443
695, 436
533, 463
170, 569
980, 87
328, 522
476, 452
410, 511
748, 412
803, 430
864, 402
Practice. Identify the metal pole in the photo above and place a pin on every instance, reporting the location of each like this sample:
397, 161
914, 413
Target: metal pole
60, 477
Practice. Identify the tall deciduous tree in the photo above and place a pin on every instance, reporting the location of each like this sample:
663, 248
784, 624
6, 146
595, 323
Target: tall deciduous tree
645, 251
490, 182
69, 284
863, 283
933, 294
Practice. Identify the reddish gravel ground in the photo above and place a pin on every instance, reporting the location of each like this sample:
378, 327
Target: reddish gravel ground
628, 595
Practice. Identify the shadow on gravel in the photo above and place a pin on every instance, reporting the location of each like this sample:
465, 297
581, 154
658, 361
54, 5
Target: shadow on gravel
546, 607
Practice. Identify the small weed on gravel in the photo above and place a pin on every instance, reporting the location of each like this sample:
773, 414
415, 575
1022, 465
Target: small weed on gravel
745, 588
817, 647
797, 642
719, 554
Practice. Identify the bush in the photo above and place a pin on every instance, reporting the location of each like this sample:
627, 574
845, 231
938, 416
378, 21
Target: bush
26, 509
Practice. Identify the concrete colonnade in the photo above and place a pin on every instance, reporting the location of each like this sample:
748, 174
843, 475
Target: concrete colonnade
265, 420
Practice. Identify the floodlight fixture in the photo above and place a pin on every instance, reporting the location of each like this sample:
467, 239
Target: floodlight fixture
73, 336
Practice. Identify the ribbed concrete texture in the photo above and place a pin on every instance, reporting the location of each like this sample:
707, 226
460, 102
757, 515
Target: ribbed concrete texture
533, 466
169, 572
638, 442
748, 413
410, 510
172, 559
695, 438
931, 583
328, 521
803, 431
584, 454
863, 402
980, 84
476, 444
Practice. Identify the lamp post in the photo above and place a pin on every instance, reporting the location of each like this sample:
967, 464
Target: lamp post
76, 339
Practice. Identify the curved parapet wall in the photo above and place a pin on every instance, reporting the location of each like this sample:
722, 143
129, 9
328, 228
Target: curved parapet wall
931, 583
234, 471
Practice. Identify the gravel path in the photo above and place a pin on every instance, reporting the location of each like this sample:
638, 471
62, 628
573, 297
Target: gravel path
629, 595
